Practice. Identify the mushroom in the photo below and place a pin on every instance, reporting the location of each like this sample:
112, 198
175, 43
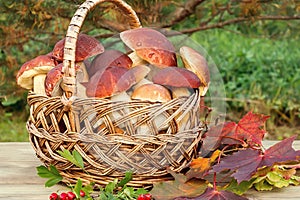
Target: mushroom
53, 81
86, 46
151, 46
178, 79
196, 63
110, 82
136, 60
181, 82
32, 74
152, 93
107, 59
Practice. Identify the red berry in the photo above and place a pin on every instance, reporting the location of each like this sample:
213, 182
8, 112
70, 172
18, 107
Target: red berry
64, 196
82, 193
71, 195
144, 197
53, 196
147, 196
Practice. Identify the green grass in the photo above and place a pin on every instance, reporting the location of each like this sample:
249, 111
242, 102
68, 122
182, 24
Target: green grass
13, 130
260, 74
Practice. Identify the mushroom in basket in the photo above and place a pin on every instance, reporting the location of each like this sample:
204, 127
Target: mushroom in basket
151, 46
32, 74
182, 83
196, 63
86, 46
53, 82
153, 93
107, 59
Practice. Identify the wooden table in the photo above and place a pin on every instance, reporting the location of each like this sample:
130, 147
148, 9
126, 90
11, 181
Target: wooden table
19, 180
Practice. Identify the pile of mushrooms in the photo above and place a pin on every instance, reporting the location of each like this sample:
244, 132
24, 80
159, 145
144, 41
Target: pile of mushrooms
149, 71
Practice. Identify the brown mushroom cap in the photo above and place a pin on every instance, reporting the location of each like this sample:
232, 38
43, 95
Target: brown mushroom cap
39, 65
176, 77
151, 46
110, 82
196, 63
107, 59
152, 92
86, 46
53, 80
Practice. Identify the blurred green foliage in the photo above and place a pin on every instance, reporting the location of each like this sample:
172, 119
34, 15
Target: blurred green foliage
259, 59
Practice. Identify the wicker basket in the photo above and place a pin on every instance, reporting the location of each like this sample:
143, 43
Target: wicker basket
69, 122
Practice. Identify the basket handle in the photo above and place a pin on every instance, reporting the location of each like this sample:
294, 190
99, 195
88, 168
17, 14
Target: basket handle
69, 79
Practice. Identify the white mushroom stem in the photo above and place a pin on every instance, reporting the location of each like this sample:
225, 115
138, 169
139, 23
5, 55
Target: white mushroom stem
116, 115
181, 92
136, 60
82, 75
39, 84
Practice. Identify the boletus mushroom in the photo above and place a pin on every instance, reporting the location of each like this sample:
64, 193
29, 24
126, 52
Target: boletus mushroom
196, 63
107, 59
110, 82
53, 82
157, 94
150, 45
32, 74
86, 46
180, 81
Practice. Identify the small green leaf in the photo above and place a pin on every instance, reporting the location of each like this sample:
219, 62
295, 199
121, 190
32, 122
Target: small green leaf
263, 186
273, 177
77, 188
109, 188
74, 158
51, 173
126, 179
78, 159
51, 182
141, 191
241, 188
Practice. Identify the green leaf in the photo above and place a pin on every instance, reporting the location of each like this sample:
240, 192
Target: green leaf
109, 188
273, 177
128, 191
51, 173
241, 188
78, 158
141, 191
263, 186
74, 158
126, 179
88, 189
51, 182
77, 188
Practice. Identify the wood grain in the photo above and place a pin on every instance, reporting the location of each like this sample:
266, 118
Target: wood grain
19, 179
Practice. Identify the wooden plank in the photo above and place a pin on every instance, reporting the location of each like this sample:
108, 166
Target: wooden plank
19, 179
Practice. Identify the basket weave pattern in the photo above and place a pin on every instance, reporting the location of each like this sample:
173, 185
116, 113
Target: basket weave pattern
89, 126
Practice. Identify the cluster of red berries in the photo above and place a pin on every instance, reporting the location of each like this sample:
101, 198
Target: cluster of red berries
65, 196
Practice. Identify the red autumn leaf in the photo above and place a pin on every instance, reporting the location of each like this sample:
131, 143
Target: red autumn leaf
248, 129
245, 163
211, 194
